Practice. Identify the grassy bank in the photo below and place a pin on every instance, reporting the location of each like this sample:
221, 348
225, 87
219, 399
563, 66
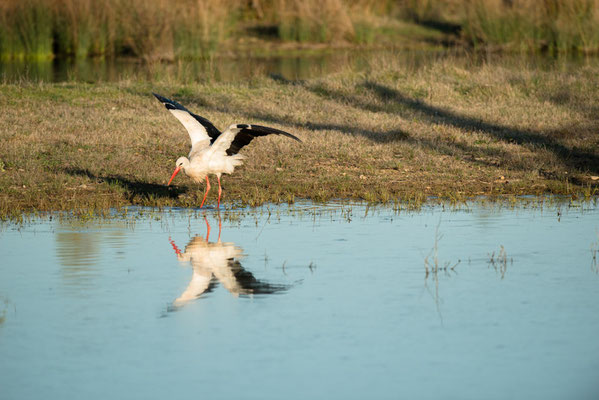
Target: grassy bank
161, 29
451, 129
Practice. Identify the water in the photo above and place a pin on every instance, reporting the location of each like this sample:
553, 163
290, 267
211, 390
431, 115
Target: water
299, 66
227, 69
341, 305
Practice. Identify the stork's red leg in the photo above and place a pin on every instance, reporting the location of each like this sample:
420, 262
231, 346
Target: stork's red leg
220, 227
220, 190
207, 190
207, 229
177, 251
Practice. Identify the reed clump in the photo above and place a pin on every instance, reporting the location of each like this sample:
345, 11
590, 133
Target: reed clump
423, 10
162, 29
321, 21
192, 28
83, 28
555, 25
147, 29
25, 29
313, 21
204, 25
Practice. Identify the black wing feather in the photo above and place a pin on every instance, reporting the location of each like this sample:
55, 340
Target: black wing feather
212, 131
250, 284
249, 132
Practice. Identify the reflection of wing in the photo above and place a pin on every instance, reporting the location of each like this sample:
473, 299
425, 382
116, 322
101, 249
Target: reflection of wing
240, 281
226, 276
248, 284
200, 283
221, 256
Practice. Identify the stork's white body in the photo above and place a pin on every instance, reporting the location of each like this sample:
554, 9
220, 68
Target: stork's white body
213, 152
205, 159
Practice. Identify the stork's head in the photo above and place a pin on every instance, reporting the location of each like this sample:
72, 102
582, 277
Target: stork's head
181, 164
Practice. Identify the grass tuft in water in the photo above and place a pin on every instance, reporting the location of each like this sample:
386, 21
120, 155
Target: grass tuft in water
594, 253
499, 261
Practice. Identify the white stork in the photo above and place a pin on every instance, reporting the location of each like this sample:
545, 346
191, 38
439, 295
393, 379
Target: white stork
212, 151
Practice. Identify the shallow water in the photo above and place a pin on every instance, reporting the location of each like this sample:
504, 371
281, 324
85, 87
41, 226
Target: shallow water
299, 66
304, 302
292, 67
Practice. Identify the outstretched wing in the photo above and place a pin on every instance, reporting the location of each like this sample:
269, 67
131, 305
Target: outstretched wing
199, 128
241, 282
237, 136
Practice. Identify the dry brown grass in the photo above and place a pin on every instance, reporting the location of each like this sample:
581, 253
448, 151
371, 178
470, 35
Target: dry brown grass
451, 129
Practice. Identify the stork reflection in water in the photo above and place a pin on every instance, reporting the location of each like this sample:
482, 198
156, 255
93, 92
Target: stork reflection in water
218, 262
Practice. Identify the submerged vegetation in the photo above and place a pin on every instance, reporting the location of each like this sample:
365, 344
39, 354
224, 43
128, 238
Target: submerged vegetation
161, 29
451, 129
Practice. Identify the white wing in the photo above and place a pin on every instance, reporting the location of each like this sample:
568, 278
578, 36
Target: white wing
224, 141
201, 131
197, 133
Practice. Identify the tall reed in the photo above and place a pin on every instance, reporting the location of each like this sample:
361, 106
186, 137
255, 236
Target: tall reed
26, 29
321, 20
84, 27
556, 25
146, 28
313, 20
421, 10
159, 29
202, 25
365, 16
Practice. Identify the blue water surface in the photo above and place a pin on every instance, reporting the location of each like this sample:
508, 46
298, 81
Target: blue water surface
304, 301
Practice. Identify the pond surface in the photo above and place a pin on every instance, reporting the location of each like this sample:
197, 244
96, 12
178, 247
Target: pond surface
304, 301
304, 65
292, 67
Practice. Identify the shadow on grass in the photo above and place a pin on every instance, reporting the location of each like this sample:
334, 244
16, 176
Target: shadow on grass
379, 137
572, 157
572, 99
396, 102
134, 188
475, 155
393, 101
